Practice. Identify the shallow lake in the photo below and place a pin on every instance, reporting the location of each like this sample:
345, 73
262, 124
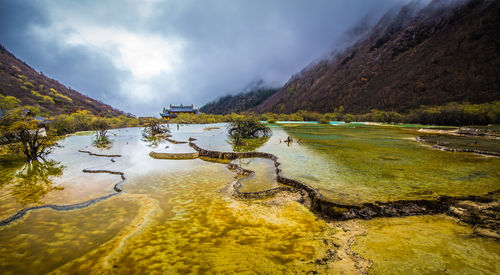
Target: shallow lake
176, 216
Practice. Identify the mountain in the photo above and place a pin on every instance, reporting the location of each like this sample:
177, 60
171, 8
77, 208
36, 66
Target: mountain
253, 95
20, 80
446, 51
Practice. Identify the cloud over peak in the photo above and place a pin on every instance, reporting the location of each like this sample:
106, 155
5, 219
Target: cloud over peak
142, 55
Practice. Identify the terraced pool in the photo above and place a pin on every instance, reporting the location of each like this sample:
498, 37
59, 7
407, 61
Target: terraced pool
177, 216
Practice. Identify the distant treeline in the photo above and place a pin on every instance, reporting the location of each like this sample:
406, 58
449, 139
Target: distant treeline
457, 114
23, 132
85, 121
238, 103
12, 112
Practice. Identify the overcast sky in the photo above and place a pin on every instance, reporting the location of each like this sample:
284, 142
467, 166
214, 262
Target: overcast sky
139, 56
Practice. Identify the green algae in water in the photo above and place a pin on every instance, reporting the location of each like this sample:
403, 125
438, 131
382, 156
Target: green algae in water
264, 177
489, 144
375, 163
197, 227
425, 245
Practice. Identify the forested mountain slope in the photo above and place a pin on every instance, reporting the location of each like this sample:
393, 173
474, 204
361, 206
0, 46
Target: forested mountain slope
447, 51
35, 89
238, 103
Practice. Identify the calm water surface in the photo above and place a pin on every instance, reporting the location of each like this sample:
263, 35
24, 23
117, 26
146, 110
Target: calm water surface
176, 216
356, 163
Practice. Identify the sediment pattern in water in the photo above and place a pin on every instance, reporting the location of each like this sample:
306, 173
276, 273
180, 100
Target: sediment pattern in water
481, 213
358, 164
426, 244
181, 217
117, 187
466, 148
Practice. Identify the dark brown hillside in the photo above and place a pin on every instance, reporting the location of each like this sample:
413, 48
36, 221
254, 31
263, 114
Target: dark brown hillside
35, 89
245, 100
444, 52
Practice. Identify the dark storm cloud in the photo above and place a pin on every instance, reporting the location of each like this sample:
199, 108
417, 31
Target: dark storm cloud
77, 67
141, 55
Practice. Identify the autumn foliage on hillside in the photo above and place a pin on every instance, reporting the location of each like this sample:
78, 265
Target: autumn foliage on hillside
32, 88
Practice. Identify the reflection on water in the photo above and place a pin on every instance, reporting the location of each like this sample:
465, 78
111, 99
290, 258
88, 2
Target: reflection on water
152, 142
28, 183
8, 168
247, 145
375, 163
35, 180
176, 216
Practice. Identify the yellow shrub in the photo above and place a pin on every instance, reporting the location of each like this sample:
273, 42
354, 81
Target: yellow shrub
16, 68
35, 93
58, 95
61, 96
20, 76
48, 99
29, 84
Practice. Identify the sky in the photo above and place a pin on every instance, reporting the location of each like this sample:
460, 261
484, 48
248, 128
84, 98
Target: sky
142, 55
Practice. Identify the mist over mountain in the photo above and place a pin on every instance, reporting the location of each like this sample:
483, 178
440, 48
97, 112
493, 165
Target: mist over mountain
140, 56
251, 96
444, 51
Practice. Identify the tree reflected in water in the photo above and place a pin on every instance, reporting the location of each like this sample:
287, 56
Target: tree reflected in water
9, 165
152, 142
247, 145
34, 180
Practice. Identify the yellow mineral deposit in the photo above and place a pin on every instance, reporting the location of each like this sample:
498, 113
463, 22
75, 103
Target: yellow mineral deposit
179, 215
